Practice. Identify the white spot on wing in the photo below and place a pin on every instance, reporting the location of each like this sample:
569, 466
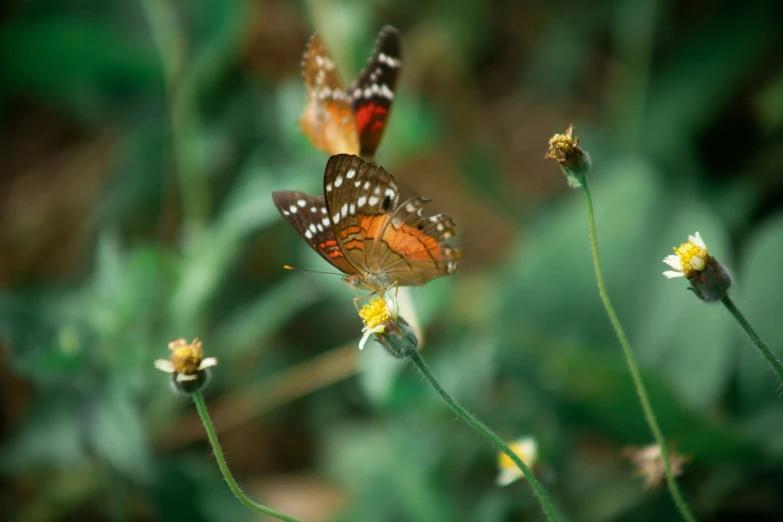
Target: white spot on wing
325, 221
344, 210
301, 203
308, 234
329, 187
351, 173
312, 227
352, 209
338, 181
361, 201
292, 208
336, 218
386, 92
373, 200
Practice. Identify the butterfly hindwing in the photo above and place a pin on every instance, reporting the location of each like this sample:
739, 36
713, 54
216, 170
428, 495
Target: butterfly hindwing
373, 92
413, 248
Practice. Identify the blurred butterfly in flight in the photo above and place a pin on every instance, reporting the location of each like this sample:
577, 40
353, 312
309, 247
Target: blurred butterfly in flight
349, 121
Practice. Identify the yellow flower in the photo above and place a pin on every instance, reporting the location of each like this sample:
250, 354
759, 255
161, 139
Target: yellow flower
526, 449
375, 315
689, 258
187, 362
649, 463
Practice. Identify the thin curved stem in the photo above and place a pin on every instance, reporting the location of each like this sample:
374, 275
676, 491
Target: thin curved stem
632, 365
221, 461
484, 430
773, 361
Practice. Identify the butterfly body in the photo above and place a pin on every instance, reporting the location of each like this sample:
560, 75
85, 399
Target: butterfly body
351, 121
362, 230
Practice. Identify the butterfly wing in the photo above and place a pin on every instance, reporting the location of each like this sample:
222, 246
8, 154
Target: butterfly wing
308, 216
359, 199
373, 92
328, 115
413, 249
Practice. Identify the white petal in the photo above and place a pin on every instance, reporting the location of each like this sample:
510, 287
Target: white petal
184, 377
673, 261
164, 365
671, 275
697, 240
368, 332
209, 362
507, 476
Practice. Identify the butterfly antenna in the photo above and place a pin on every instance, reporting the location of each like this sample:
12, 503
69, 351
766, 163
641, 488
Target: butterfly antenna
289, 267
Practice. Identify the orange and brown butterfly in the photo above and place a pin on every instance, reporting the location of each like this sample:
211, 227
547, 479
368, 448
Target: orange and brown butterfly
360, 227
350, 121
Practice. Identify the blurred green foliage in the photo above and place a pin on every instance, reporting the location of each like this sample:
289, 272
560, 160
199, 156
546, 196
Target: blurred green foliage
141, 142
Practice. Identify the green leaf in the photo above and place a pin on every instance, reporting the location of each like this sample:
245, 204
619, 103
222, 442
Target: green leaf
117, 434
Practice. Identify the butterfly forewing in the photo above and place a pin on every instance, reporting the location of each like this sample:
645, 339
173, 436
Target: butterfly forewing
360, 198
373, 92
308, 216
328, 118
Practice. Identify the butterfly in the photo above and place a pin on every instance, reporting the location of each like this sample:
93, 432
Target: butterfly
349, 121
362, 230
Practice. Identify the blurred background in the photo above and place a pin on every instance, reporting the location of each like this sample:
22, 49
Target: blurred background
140, 142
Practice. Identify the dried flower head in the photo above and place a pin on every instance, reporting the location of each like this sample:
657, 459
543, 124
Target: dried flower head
649, 463
187, 365
526, 449
709, 279
574, 161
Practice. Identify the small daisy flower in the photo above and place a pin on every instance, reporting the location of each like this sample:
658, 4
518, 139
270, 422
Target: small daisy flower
574, 161
649, 463
689, 258
526, 449
381, 319
692, 260
187, 365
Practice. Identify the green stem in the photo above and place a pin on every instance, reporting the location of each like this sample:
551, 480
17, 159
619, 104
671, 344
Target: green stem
481, 428
632, 365
773, 361
221, 460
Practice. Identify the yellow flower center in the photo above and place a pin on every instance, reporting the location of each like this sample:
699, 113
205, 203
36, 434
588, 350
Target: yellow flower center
374, 313
185, 357
693, 258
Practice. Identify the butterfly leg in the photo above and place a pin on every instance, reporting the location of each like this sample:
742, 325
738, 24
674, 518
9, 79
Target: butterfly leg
359, 298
